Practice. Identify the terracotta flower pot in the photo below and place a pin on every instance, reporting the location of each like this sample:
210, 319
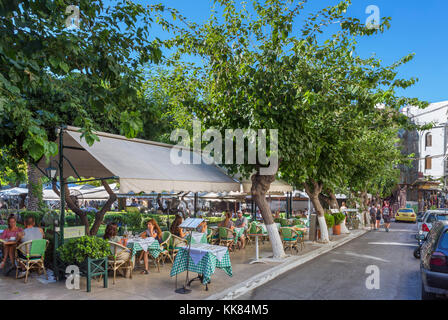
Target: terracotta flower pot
337, 229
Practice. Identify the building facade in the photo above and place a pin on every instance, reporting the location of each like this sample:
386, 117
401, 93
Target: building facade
423, 180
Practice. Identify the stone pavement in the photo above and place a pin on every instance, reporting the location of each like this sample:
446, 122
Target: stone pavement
161, 286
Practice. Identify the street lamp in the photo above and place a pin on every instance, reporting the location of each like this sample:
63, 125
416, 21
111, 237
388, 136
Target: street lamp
51, 172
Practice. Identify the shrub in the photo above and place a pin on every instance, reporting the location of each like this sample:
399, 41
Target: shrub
329, 219
71, 220
133, 219
79, 249
118, 218
338, 218
132, 209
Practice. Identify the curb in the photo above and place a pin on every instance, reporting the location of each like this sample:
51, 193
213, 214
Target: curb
288, 264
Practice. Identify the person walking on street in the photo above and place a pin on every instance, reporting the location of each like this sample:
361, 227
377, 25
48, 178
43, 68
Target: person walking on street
378, 216
372, 211
386, 212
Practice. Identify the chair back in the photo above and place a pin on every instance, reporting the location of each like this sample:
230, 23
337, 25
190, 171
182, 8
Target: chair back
166, 235
177, 241
288, 234
225, 233
254, 228
114, 247
38, 247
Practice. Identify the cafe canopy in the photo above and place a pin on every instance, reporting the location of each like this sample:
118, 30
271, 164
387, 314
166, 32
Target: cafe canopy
141, 166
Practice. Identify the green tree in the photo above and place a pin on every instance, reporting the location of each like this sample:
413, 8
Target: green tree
51, 74
256, 72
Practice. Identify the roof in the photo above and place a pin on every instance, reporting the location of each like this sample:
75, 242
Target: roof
141, 165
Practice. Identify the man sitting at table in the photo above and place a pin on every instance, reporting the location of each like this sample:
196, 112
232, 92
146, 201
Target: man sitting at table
241, 222
30, 233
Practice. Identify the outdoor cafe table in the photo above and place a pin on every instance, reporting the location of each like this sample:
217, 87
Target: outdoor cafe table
149, 245
203, 259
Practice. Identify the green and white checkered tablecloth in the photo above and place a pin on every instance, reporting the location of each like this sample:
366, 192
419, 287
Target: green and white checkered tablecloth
153, 249
206, 266
202, 237
238, 233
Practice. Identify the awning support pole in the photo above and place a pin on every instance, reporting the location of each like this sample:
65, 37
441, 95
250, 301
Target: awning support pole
195, 203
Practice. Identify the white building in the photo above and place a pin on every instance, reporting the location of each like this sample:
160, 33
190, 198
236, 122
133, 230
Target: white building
431, 145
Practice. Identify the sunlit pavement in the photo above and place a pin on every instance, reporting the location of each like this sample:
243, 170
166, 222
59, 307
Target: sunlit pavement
342, 273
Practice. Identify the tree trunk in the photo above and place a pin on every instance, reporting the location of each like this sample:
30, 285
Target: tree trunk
364, 204
34, 188
260, 186
82, 214
333, 201
313, 189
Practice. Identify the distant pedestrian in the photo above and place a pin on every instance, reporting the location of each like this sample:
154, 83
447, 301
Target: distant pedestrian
373, 210
378, 216
386, 212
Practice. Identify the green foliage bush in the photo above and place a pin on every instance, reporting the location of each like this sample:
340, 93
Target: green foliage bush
37, 215
329, 219
133, 219
338, 218
79, 249
132, 209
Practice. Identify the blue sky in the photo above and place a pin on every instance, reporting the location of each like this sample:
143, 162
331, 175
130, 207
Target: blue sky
417, 27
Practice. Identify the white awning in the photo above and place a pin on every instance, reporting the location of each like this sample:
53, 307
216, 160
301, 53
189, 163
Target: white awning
142, 166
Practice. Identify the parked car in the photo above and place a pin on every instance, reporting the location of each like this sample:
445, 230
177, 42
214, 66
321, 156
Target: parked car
433, 262
425, 223
406, 214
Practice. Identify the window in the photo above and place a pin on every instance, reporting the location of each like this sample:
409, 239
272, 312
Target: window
428, 163
428, 140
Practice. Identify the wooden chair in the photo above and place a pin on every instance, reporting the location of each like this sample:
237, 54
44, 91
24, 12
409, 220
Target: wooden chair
121, 259
254, 228
291, 238
175, 243
226, 238
212, 236
166, 238
34, 252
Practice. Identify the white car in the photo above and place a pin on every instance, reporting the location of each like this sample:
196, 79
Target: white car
424, 224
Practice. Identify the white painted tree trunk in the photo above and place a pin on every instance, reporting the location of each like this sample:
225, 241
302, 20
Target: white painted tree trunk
325, 238
276, 241
344, 229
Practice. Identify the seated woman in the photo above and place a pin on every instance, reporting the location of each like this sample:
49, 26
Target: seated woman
153, 231
227, 222
10, 235
111, 234
202, 227
175, 229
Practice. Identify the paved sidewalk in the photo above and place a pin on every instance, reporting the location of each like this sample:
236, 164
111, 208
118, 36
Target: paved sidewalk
161, 286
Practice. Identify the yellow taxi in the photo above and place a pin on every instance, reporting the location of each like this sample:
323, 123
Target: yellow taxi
406, 214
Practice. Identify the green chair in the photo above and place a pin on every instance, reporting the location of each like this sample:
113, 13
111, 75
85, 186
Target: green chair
226, 237
166, 239
175, 243
291, 239
34, 252
254, 228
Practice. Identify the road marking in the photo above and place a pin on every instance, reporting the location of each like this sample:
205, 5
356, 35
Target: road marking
394, 244
339, 261
354, 254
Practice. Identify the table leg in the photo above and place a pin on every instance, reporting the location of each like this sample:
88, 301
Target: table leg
257, 257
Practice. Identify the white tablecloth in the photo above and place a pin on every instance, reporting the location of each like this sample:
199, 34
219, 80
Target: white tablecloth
144, 243
199, 250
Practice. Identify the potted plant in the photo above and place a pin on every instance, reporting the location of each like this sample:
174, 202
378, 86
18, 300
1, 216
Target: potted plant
89, 253
338, 219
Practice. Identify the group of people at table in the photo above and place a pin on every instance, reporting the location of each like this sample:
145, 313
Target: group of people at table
153, 230
13, 236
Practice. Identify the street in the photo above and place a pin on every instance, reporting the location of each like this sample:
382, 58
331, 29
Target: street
342, 274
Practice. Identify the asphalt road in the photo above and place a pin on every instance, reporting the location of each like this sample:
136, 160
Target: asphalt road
342, 273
